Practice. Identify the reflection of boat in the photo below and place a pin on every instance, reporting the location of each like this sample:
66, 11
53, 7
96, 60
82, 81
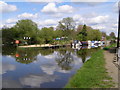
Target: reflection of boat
84, 43
83, 47
76, 44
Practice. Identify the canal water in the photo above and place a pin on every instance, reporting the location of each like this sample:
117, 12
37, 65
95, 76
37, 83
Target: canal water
41, 68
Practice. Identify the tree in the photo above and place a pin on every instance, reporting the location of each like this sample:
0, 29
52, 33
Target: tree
26, 28
83, 34
104, 34
96, 35
80, 27
47, 34
112, 35
67, 24
60, 26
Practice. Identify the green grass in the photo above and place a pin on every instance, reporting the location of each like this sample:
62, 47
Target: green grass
110, 46
92, 75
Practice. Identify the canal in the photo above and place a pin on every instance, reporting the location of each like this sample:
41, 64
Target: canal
40, 67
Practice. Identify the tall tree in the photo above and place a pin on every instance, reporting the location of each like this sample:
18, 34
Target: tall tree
112, 35
47, 34
26, 28
83, 34
104, 34
67, 23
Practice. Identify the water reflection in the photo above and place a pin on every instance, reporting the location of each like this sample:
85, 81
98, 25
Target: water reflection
65, 60
84, 53
7, 67
38, 67
36, 80
26, 56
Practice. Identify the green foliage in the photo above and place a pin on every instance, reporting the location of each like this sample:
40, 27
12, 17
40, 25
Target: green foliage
87, 33
65, 28
26, 28
83, 34
8, 35
67, 23
47, 34
112, 35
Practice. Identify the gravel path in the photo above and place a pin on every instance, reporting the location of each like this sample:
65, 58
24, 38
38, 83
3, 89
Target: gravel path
110, 66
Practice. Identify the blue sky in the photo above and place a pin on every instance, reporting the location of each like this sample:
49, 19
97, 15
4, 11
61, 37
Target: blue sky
99, 15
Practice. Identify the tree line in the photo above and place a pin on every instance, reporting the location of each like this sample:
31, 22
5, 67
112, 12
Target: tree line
65, 28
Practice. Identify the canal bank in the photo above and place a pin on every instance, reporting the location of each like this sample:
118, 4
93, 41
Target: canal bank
43, 46
92, 75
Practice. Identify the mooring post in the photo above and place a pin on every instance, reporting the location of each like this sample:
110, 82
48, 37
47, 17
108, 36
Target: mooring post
118, 48
118, 25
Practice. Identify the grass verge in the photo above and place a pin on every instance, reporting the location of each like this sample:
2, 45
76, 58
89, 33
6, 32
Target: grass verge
92, 75
110, 46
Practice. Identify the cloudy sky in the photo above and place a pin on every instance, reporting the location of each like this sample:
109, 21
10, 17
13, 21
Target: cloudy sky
99, 15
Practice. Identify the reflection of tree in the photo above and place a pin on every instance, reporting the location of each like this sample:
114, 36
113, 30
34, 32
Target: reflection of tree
8, 50
64, 60
83, 53
45, 52
26, 55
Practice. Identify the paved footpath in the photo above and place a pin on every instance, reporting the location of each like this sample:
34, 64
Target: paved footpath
110, 66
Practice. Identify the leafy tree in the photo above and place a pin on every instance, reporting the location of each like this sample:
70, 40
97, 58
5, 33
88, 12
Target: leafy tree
67, 24
104, 34
96, 35
61, 26
26, 28
83, 34
112, 35
8, 36
47, 34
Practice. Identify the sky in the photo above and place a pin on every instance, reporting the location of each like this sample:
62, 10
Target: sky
99, 15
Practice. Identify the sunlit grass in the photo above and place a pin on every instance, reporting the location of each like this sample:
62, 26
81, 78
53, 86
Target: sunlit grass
92, 75
110, 46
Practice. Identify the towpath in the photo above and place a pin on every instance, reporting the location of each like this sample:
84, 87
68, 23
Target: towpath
110, 66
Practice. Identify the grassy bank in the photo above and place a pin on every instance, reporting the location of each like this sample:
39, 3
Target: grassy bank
110, 46
92, 75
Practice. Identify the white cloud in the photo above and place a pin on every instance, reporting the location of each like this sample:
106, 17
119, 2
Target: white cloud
4, 7
11, 20
115, 7
66, 9
101, 22
48, 22
7, 67
78, 18
10, 83
1, 25
37, 80
98, 19
98, 27
28, 15
107, 27
88, 20
9, 25
49, 56
50, 68
51, 8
